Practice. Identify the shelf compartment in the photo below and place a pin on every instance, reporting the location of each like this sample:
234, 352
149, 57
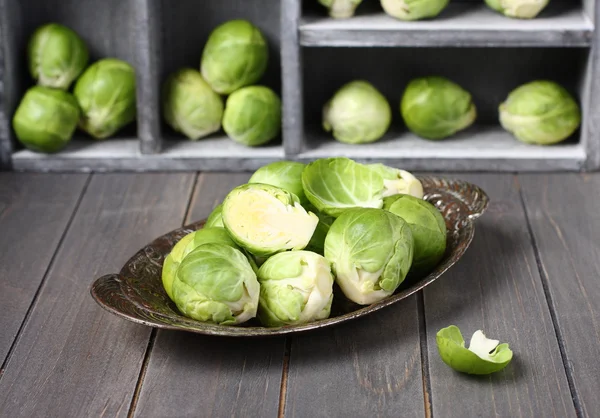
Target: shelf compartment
479, 148
461, 24
83, 155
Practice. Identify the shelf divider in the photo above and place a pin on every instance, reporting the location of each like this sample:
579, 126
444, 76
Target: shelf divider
8, 81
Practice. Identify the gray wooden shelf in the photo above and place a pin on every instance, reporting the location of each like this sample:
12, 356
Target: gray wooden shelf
312, 55
461, 24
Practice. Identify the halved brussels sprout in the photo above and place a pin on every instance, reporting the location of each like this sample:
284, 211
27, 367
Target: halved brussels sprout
57, 55
484, 356
520, 9
186, 245
428, 228
215, 218
357, 114
296, 287
413, 9
216, 283
371, 251
106, 93
286, 175
190, 106
341, 9
436, 108
235, 55
333, 185
265, 219
396, 181
540, 112
46, 119
252, 115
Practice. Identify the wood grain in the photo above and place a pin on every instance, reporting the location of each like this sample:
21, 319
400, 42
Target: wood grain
497, 288
564, 216
191, 375
34, 212
73, 359
370, 367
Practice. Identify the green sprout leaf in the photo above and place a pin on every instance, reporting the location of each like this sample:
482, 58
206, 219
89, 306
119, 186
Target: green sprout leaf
484, 356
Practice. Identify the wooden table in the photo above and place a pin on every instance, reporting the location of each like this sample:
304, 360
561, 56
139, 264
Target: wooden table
531, 278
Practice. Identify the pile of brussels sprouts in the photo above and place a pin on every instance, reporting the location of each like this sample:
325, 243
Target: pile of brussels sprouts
275, 246
233, 60
102, 101
539, 112
426, 9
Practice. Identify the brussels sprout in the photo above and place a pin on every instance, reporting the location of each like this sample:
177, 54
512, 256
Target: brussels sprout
107, 97
286, 175
436, 108
190, 106
371, 251
428, 228
341, 9
252, 115
520, 9
396, 181
357, 114
333, 185
46, 119
296, 287
265, 219
57, 55
413, 9
216, 283
235, 55
317, 241
215, 218
484, 356
540, 112
185, 246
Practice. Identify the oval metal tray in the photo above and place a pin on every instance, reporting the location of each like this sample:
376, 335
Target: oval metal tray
136, 293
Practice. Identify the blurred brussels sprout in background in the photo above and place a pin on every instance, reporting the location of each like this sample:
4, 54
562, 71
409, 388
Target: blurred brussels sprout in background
296, 287
106, 93
521, 9
341, 9
436, 108
216, 283
46, 119
185, 246
317, 241
357, 113
370, 251
540, 112
286, 175
252, 115
265, 219
57, 55
484, 356
235, 55
190, 106
413, 9
215, 218
396, 181
333, 185
428, 229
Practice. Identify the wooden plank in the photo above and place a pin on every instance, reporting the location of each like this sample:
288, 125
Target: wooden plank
34, 212
194, 375
370, 367
460, 24
497, 288
74, 359
563, 214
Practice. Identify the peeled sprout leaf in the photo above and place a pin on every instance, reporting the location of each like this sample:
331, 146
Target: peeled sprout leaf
520, 9
396, 181
484, 356
341, 9
413, 9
